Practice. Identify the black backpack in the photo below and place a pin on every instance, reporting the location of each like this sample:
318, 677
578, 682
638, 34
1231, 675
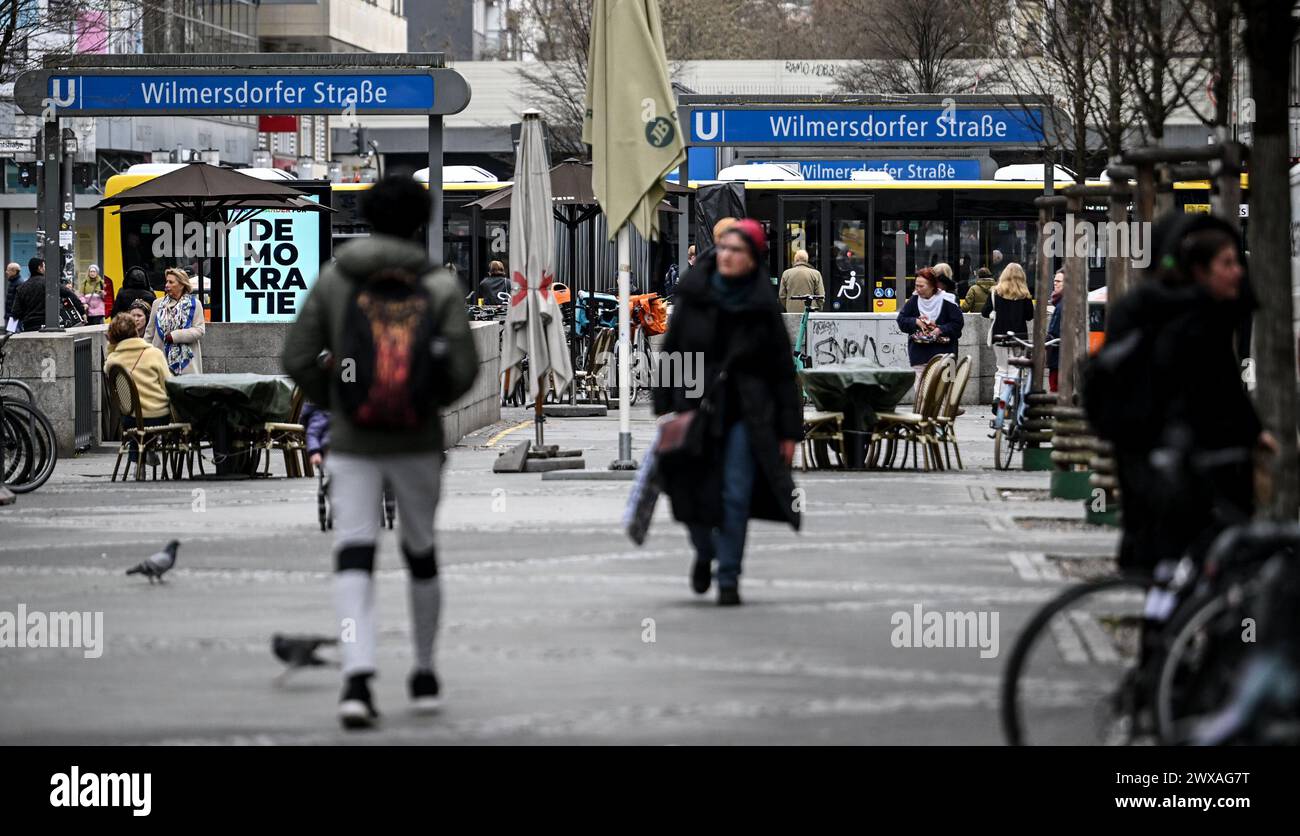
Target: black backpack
1119, 390
388, 366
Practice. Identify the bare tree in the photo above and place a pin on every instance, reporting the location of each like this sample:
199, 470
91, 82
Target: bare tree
914, 47
1163, 56
1050, 50
32, 31
1268, 34
1111, 107
558, 34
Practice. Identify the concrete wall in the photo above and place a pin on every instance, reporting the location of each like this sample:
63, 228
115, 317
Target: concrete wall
891, 346
44, 361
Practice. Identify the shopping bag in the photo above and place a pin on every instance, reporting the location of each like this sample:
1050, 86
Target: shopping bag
641, 501
13, 326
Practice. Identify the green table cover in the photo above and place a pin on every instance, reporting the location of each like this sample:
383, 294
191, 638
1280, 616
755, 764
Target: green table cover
238, 400
857, 387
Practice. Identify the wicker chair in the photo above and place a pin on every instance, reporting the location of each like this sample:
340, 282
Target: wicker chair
163, 440
945, 423
885, 436
289, 436
913, 430
591, 380
821, 430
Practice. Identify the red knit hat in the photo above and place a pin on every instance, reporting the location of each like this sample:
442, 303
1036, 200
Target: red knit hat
753, 232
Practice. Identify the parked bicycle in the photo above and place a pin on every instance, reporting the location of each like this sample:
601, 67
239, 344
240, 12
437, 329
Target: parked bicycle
28, 450
1161, 658
1008, 423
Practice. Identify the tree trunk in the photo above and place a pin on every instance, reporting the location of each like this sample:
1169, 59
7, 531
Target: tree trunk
1268, 36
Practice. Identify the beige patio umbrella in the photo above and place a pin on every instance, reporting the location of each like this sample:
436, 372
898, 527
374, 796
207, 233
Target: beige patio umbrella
631, 125
534, 324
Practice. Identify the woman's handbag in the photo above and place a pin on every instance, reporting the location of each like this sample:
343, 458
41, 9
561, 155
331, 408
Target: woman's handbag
683, 432
988, 338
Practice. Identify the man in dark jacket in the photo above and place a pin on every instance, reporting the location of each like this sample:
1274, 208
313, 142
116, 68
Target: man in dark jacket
736, 463
29, 302
361, 459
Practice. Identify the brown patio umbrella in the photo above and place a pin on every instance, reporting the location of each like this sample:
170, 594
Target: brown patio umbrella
203, 192
570, 185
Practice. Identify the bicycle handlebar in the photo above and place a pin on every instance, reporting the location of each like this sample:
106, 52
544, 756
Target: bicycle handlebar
1009, 340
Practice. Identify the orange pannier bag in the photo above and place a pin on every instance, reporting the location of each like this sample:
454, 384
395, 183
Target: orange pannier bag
654, 312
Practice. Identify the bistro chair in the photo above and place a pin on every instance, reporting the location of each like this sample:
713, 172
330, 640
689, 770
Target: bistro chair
821, 431
591, 379
945, 423
162, 439
289, 436
914, 431
885, 435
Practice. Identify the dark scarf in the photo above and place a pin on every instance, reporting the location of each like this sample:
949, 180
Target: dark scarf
731, 294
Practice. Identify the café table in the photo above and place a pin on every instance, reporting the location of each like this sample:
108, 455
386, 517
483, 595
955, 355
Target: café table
860, 388
223, 408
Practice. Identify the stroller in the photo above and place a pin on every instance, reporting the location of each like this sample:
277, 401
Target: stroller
325, 509
316, 421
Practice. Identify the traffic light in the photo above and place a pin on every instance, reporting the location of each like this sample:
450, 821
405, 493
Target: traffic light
361, 135
27, 175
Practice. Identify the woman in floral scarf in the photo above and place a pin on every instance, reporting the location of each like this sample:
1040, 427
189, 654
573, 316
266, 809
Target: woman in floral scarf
176, 324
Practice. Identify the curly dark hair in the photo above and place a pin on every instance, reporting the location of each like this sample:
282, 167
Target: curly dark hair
397, 205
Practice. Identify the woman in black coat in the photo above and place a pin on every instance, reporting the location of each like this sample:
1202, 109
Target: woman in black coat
1169, 378
134, 288
735, 464
932, 323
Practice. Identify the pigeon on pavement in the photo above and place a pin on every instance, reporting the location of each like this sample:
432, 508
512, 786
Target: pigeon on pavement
300, 651
155, 566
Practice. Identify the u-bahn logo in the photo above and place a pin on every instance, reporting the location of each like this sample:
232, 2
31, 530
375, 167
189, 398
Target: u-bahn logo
711, 132
57, 99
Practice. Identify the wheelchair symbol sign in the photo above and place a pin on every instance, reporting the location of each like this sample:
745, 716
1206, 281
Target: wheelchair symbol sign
850, 289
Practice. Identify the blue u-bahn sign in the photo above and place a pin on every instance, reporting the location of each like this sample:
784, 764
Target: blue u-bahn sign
866, 126
904, 169
260, 91
180, 94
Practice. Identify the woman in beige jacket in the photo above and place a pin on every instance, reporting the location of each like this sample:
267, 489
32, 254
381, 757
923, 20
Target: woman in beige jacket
176, 324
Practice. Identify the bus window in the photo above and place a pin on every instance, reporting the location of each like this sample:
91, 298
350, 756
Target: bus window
927, 245
995, 243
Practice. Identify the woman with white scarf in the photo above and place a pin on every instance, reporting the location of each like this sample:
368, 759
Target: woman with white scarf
933, 324
176, 324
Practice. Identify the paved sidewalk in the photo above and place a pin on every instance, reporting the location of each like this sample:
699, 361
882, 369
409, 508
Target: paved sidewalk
548, 607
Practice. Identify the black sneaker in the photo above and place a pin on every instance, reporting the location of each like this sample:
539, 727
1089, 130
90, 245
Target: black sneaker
356, 708
424, 692
728, 596
701, 575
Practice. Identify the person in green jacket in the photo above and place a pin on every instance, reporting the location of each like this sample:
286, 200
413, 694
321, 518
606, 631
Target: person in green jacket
979, 291
361, 459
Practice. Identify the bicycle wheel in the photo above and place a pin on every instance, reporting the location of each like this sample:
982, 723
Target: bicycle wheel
639, 385
18, 446
1203, 664
45, 450
1072, 678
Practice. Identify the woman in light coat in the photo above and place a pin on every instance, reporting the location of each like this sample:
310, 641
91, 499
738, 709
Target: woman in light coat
176, 324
